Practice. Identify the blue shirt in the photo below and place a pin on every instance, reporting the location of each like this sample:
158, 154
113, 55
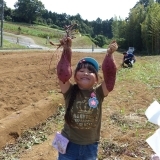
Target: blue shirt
128, 56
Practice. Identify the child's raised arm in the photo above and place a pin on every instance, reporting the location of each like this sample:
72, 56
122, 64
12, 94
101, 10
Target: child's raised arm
109, 69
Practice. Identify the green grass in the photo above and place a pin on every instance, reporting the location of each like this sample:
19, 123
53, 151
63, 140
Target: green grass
39, 34
145, 72
33, 30
9, 45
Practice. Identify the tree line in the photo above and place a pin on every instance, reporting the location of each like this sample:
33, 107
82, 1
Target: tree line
140, 29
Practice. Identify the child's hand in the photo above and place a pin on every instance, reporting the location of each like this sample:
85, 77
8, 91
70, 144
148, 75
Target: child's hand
113, 46
66, 42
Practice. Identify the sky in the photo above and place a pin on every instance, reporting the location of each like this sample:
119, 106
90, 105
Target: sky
88, 9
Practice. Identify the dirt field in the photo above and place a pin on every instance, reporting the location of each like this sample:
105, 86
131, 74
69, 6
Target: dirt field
26, 100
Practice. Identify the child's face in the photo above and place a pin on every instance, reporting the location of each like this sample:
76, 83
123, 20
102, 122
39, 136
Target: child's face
85, 78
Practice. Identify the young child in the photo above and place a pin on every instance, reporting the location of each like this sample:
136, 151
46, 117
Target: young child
83, 101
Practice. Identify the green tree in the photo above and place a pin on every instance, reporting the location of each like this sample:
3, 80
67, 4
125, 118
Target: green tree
7, 13
115, 28
107, 28
119, 32
133, 27
97, 26
151, 29
100, 40
28, 10
145, 3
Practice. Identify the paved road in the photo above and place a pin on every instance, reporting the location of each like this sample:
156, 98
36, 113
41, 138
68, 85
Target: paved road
21, 40
89, 50
29, 42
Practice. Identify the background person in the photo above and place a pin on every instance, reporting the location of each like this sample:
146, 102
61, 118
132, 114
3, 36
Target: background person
128, 59
83, 101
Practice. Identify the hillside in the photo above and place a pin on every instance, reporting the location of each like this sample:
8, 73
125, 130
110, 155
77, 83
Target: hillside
39, 35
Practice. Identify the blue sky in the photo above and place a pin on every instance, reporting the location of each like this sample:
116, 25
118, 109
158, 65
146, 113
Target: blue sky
88, 9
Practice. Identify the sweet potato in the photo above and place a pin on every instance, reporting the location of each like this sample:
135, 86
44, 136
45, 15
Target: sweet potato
109, 72
64, 70
109, 67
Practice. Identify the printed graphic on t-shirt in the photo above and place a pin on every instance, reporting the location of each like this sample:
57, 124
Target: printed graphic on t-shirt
84, 116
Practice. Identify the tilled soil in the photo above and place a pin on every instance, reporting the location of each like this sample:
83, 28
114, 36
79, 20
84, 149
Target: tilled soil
29, 94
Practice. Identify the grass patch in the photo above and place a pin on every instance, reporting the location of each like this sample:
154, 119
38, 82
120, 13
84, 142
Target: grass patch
9, 45
40, 33
145, 72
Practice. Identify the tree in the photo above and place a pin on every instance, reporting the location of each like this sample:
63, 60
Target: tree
100, 40
28, 10
107, 28
151, 29
7, 13
133, 27
115, 28
145, 3
119, 32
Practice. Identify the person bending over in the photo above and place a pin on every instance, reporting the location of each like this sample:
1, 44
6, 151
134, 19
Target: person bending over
128, 59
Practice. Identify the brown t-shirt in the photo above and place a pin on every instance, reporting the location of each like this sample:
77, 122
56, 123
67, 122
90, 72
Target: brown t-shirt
87, 119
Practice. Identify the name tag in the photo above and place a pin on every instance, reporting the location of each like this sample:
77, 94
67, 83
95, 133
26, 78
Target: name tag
60, 143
